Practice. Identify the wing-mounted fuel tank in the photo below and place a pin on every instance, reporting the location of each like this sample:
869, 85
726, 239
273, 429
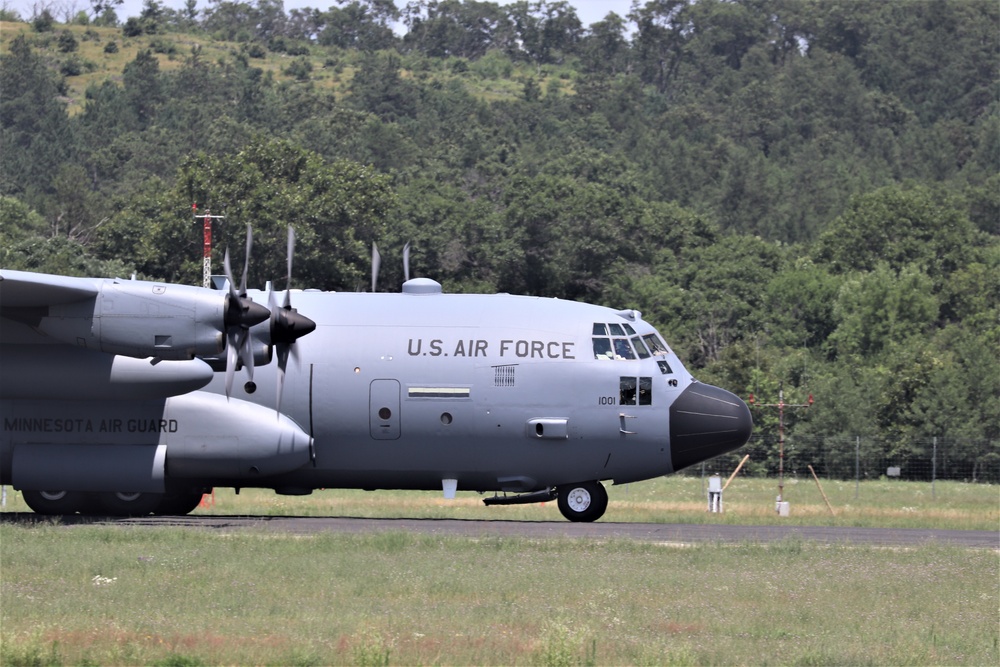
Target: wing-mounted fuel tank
61, 372
138, 445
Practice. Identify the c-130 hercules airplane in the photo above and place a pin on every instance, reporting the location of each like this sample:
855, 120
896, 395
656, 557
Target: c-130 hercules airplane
117, 396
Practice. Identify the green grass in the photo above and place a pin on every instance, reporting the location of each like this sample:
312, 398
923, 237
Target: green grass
113, 595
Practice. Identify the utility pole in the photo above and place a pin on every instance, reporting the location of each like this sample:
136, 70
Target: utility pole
207, 255
781, 405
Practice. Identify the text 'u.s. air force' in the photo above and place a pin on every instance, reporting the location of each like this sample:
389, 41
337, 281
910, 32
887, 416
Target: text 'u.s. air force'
473, 347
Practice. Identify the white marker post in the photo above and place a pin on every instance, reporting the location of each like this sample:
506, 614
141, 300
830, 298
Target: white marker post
715, 494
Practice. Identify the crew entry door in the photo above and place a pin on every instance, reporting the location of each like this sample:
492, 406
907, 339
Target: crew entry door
383, 409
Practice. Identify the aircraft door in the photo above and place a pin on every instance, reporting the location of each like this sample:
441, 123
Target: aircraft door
383, 409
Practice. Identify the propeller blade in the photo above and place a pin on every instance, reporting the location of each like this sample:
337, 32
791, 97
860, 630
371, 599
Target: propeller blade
376, 263
291, 251
241, 313
246, 262
231, 359
406, 262
229, 274
246, 353
282, 354
287, 324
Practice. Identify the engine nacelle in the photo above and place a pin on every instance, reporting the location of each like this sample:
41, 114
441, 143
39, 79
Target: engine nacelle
138, 319
143, 319
139, 445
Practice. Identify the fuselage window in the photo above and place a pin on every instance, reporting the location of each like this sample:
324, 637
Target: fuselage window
630, 388
664, 367
623, 349
656, 346
645, 391
600, 329
616, 329
640, 348
602, 349
627, 391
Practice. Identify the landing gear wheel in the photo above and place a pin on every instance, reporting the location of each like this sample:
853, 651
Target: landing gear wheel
179, 503
57, 502
128, 503
582, 502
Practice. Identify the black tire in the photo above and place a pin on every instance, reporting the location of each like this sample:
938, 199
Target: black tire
128, 503
585, 501
179, 503
57, 502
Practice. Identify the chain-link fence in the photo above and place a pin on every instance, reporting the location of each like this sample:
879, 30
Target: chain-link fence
866, 458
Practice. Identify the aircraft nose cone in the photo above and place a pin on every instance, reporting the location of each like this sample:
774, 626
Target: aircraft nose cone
706, 421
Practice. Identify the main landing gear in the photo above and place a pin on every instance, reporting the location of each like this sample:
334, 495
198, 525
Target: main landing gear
121, 503
585, 501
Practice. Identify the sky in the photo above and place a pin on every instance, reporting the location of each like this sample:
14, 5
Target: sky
588, 11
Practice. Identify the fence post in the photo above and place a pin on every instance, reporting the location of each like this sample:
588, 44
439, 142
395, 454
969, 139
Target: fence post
934, 469
857, 465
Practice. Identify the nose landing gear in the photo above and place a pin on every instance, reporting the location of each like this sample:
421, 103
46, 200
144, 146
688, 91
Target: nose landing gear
585, 501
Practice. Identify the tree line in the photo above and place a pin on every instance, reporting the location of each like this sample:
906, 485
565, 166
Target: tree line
799, 194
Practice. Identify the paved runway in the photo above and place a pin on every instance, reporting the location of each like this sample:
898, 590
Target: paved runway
651, 532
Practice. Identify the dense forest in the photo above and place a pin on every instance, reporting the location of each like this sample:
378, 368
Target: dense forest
798, 193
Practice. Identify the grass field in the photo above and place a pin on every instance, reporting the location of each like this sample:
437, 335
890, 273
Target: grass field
105, 595
115, 595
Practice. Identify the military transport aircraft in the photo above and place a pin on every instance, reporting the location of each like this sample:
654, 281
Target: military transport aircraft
118, 396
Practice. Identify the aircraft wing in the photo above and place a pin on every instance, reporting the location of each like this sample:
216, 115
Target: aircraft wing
20, 289
65, 338
131, 317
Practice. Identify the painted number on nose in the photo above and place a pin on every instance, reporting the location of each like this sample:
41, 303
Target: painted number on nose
607, 400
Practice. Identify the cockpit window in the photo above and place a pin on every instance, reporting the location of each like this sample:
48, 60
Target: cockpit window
622, 349
602, 349
640, 348
656, 346
620, 341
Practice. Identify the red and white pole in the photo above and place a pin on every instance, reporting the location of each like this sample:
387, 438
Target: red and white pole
206, 261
